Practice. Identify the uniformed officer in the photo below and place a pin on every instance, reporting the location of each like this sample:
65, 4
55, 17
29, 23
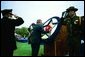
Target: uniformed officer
72, 23
8, 42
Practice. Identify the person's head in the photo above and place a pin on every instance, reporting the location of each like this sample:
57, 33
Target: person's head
39, 21
71, 11
7, 13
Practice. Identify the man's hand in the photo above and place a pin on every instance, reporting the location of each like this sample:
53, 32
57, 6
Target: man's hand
15, 16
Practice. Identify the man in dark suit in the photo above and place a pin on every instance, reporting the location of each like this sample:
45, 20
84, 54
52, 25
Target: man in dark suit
35, 37
8, 42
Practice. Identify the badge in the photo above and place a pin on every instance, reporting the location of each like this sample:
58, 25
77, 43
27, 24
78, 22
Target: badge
76, 22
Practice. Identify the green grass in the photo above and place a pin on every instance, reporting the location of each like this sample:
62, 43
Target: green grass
24, 49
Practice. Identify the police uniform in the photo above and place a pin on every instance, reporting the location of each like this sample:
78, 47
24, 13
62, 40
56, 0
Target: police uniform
8, 41
73, 40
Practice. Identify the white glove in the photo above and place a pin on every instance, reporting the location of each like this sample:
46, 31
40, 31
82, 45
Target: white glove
82, 41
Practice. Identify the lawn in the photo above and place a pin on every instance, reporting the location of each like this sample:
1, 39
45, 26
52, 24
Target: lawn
24, 49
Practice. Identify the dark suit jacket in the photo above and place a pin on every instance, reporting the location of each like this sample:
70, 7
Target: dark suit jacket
36, 33
7, 32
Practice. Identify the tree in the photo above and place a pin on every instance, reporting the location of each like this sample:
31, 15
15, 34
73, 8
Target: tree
22, 31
